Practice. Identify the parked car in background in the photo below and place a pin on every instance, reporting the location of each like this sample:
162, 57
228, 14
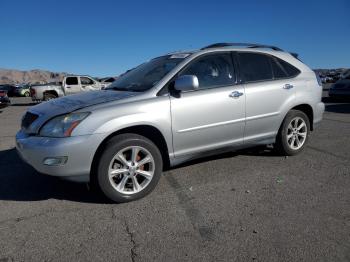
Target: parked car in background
10, 89
4, 100
174, 108
341, 89
44, 92
70, 85
22, 90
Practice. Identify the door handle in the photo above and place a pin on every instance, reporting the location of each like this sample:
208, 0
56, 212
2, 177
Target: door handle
235, 94
288, 86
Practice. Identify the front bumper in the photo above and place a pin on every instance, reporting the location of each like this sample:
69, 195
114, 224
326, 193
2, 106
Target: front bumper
79, 151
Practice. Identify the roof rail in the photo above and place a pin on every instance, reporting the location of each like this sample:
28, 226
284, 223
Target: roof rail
248, 45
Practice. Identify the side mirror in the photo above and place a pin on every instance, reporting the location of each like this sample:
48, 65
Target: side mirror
186, 83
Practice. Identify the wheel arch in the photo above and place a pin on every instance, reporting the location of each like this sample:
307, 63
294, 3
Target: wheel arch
148, 131
51, 92
308, 111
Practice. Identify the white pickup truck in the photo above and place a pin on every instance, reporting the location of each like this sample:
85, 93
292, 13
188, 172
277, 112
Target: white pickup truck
70, 85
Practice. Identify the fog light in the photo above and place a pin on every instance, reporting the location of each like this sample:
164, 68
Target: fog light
55, 161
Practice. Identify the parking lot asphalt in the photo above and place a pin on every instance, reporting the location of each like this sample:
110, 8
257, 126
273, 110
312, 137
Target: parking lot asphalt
249, 205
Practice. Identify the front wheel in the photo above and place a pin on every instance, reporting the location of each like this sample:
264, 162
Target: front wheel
293, 134
130, 168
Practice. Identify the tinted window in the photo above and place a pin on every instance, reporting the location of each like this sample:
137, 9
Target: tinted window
72, 81
255, 67
86, 81
212, 70
290, 70
278, 69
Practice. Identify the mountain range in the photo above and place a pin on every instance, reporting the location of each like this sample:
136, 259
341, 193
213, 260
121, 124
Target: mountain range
11, 76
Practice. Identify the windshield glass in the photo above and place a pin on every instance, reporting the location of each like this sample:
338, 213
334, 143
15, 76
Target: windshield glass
147, 75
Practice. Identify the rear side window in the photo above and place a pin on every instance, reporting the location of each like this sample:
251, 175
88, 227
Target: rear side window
212, 71
255, 67
72, 81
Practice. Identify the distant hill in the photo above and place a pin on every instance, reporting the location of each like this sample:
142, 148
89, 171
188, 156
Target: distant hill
10, 76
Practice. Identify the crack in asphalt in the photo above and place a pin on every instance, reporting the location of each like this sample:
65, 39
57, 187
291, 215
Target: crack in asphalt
133, 253
131, 235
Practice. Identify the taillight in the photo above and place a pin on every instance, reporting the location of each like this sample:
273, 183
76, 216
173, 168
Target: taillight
32, 92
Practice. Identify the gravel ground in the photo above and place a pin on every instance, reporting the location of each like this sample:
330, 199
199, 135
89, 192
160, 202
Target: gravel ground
245, 206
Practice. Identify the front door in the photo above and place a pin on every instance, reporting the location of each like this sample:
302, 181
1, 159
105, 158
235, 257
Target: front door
87, 84
212, 116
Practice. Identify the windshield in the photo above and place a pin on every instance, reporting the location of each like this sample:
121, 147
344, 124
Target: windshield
147, 75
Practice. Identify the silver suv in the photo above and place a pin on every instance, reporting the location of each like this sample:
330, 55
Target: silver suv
172, 109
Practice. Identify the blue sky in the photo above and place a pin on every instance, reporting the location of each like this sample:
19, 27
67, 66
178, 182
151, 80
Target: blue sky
103, 38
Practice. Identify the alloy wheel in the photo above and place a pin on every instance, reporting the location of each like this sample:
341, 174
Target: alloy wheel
296, 133
131, 170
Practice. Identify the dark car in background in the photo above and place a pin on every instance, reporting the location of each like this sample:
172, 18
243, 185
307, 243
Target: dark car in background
4, 100
341, 89
9, 89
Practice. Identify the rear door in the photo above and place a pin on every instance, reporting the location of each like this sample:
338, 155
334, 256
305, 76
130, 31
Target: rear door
71, 85
269, 90
210, 117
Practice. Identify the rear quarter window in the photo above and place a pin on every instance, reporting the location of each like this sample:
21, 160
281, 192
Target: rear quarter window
290, 70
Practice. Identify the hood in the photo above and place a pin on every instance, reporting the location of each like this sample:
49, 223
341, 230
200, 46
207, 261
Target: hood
68, 104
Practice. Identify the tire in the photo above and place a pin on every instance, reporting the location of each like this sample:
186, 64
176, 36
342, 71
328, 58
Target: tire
49, 96
26, 94
289, 132
121, 186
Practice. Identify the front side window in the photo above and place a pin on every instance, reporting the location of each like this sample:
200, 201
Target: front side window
212, 70
72, 81
86, 81
255, 67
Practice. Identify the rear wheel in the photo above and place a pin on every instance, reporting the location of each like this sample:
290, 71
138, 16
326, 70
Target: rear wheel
293, 134
130, 168
49, 96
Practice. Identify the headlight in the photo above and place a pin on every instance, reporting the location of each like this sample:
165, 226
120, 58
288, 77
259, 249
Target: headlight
62, 126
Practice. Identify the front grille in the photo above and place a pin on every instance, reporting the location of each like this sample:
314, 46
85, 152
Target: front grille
28, 119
